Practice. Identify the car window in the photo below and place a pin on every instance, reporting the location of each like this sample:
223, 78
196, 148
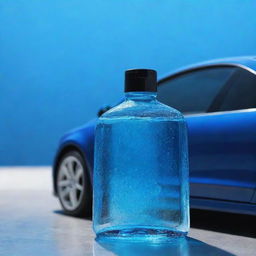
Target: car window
241, 94
195, 91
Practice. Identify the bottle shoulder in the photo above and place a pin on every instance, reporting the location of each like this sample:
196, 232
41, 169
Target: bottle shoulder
130, 109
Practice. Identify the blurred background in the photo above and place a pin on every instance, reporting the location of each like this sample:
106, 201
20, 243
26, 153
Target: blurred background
61, 60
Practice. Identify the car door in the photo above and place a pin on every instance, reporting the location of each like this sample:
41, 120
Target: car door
222, 138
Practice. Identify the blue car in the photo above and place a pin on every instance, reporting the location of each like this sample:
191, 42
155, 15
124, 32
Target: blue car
218, 100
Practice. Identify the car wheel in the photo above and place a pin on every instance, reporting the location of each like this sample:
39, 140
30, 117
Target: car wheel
73, 186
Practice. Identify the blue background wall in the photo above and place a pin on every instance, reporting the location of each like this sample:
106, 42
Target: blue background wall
60, 60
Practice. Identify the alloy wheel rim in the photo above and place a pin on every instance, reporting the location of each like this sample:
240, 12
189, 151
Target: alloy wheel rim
70, 182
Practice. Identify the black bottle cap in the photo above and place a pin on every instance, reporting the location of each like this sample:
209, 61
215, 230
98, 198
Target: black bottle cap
140, 80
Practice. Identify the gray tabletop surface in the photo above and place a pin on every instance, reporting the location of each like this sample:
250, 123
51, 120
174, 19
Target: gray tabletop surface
32, 223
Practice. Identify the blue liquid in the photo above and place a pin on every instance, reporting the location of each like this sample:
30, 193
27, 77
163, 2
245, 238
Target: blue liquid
141, 176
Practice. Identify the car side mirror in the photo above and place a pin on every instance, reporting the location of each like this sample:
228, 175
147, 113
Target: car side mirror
102, 110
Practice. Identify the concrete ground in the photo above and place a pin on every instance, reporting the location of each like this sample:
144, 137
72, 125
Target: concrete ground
32, 223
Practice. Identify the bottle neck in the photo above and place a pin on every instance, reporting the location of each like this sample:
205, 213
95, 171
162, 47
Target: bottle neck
140, 96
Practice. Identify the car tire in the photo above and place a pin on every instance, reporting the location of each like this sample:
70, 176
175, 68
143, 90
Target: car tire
73, 185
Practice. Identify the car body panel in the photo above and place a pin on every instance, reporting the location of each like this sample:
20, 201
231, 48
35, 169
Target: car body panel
223, 206
209, 142
80, 139
83, 138
222, 150
254, 197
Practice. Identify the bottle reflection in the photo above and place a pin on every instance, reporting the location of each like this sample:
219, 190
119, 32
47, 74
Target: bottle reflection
183, 246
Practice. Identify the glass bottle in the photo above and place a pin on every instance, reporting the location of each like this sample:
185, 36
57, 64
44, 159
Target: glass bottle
140, 185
